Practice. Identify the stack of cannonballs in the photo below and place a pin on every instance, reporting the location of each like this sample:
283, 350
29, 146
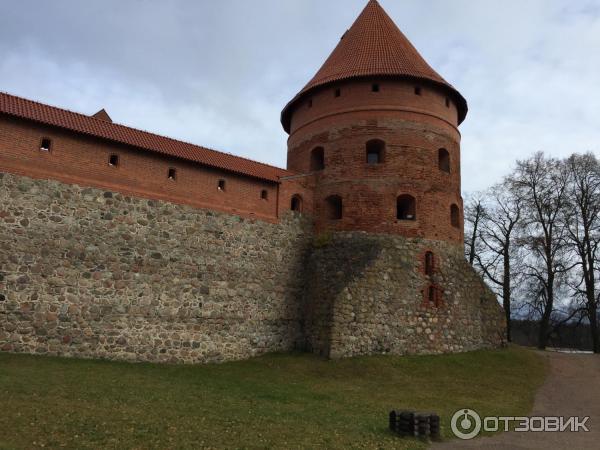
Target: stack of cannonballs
411, 423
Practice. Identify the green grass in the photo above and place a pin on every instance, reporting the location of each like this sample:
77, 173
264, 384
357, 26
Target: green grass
276, 401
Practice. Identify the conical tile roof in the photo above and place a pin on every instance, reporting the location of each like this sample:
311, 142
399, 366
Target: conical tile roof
374, 46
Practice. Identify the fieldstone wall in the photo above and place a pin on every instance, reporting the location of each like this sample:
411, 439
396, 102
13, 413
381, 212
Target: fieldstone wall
97, 274
89, 273
368, 294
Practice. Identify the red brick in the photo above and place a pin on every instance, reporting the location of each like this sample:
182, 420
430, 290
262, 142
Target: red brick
414, 128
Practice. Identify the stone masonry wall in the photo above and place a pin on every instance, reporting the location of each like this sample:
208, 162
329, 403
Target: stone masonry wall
369, 294
89, 273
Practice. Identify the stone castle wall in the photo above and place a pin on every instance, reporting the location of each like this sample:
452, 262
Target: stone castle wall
89, 273
369, 294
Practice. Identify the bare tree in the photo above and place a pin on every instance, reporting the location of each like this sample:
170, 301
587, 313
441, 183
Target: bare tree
583, 228
474, 211
497, 233
541, 184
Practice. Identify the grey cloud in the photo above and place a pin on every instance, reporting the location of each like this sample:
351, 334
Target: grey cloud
218, 73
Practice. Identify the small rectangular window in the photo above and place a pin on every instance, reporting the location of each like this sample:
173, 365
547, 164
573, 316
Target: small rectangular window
447, 103
172, 175
221, 185
429, 264
310, 103
113, 161
317, 159
45, 145
338, 92
264, 194
431, 295
418, 91
373, 158
375, 151
375, 87
435, 296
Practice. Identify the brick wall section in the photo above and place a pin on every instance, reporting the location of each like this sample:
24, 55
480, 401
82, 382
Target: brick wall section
81, 159
414, 128
357, 95
92, 273
297, 186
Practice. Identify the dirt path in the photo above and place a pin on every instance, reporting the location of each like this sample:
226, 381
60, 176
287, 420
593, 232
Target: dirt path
571, 389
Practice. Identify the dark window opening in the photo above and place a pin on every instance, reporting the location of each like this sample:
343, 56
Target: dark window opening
221, 185
444, 160
431, 294
264, 194
334, 208
338, 92
447, 102
375, 151
418, 90
45, 145
317, 159
113, 160
172, 175
296, 203
375, 87
455, 216
406, 206
310, 102
429, 264
434, 296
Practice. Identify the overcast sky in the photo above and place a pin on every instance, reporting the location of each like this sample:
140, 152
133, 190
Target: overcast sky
218, 73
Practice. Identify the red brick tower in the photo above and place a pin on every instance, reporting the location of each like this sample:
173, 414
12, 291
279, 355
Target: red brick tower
376, 132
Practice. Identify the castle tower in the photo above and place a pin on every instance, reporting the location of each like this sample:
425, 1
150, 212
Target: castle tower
375, 136
375, 132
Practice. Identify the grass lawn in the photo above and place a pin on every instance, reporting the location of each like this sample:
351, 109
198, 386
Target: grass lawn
276, 401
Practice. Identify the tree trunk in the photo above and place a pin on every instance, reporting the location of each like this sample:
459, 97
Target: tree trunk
474, 237
593, 316
506, 291
507, 314
543, 334
545, 322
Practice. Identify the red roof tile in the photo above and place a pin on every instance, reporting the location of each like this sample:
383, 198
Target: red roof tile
374, 46
96, 127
